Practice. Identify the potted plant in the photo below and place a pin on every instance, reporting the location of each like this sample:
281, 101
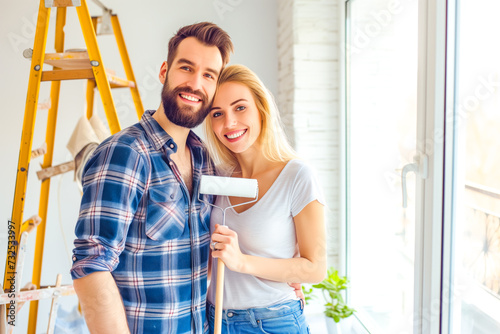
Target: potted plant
332, 288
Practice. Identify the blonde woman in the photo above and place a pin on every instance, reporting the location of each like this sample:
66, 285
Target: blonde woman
278, 239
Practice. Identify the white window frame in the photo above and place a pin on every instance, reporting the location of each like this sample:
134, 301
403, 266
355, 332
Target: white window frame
434, 304
434, 210
431, 132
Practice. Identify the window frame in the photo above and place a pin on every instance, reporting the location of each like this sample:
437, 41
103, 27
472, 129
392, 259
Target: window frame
435, 134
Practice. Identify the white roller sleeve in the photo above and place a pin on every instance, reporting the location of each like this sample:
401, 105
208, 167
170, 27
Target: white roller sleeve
228, 186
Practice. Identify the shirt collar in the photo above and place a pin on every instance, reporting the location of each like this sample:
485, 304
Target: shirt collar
160, 138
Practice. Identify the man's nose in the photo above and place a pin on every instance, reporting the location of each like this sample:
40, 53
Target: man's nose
194, 82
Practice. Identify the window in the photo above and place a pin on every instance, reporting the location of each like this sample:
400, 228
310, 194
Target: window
381, 139
422, 83
475, 246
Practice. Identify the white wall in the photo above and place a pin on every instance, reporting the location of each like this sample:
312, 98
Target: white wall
147, 29
309, 95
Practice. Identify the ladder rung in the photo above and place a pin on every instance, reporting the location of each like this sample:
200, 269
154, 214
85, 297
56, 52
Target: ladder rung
116, 82
39, 151
56, 75
29, 295
62, 3
30, 224
75, 74
55, 170
69, 60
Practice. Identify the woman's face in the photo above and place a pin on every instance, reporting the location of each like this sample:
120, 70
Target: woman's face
236, 121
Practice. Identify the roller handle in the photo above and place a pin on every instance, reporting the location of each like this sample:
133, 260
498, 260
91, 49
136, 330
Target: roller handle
219, 294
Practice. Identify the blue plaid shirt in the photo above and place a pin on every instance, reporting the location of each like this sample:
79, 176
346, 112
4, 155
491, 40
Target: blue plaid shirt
138, 221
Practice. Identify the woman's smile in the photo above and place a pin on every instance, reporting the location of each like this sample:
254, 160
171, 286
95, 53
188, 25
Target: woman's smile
235, 135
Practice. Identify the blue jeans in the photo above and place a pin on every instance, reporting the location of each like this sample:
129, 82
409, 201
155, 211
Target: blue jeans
283, 318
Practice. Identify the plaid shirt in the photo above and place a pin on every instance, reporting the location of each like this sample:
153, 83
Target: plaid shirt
138, 221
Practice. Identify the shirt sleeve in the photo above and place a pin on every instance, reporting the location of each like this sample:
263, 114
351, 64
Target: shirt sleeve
306, 189
113, 184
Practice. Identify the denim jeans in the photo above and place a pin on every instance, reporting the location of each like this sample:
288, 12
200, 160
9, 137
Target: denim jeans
283, 318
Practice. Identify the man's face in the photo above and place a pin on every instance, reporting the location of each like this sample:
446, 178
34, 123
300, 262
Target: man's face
190, 83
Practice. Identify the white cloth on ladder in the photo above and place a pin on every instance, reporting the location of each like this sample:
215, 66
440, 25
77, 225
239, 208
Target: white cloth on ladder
84, 140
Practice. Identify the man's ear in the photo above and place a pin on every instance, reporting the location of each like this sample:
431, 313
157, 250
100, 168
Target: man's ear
163, 72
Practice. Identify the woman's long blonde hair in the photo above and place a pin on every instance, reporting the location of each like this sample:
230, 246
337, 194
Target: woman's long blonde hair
274, 143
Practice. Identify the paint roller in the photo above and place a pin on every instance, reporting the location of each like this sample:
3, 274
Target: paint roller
225, 186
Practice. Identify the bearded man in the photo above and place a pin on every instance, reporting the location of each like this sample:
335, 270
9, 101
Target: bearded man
142, 247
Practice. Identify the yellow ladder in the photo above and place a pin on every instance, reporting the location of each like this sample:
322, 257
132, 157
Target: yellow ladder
66, 66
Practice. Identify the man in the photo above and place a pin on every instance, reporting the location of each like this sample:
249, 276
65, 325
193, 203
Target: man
140, 257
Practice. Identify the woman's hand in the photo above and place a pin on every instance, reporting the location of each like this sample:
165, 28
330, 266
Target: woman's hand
226, 247
297, 288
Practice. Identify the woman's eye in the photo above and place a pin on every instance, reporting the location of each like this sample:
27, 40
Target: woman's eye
240, 108
216, 114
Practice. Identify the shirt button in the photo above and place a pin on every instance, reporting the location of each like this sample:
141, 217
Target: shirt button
230, 314
172, 146
74, 258
172, 196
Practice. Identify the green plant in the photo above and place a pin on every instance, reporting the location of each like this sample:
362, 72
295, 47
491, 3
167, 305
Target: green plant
331, 288
308, 294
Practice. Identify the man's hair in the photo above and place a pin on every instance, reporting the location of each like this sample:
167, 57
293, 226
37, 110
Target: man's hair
272, 138
207, 33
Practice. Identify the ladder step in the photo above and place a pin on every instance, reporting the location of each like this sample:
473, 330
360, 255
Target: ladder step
74, 65
62, 3
39, 151
116, 82
70, 60
57, 75
44, 293
30, 224
55, 170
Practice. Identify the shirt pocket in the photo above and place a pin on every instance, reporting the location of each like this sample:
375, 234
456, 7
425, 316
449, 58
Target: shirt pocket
166, 217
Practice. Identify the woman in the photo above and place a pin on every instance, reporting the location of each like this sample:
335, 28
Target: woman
278, 239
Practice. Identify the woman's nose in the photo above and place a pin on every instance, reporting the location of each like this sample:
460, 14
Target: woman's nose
230, 121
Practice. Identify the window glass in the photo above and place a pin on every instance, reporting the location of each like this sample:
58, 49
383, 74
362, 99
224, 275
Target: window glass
381, 55
476, 243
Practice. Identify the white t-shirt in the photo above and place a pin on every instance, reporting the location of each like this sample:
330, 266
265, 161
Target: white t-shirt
267, 230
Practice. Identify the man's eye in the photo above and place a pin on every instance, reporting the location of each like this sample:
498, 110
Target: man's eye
185, 68
209, 76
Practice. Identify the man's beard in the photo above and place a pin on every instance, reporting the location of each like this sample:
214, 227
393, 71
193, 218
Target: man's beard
184, 116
